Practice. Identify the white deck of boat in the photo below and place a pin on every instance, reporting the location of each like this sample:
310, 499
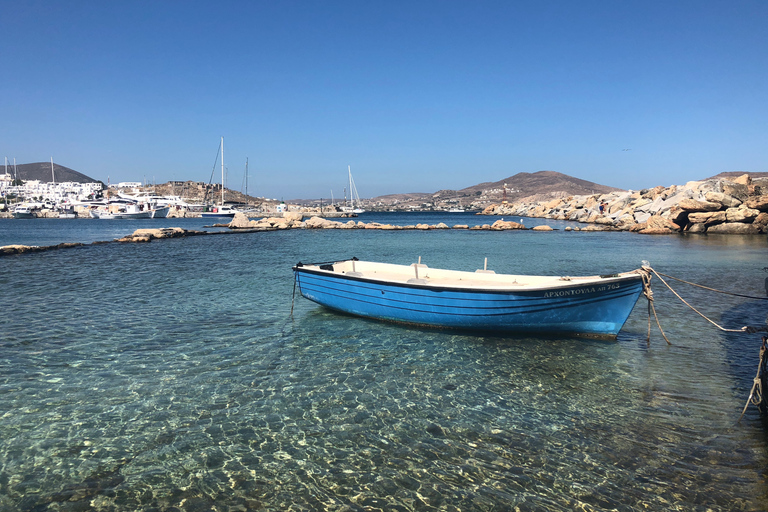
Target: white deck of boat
388, 272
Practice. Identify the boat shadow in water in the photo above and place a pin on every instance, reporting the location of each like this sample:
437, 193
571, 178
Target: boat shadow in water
324, 314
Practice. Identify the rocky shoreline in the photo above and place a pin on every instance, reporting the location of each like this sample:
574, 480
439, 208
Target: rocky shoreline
738, 206
242, 224
295, 220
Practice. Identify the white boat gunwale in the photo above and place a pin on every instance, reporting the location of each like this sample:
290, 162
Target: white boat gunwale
474, 281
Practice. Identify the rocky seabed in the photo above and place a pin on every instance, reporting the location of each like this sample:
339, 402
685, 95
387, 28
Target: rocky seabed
738, 206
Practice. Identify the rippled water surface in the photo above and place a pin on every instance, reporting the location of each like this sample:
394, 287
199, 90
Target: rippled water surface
172, 376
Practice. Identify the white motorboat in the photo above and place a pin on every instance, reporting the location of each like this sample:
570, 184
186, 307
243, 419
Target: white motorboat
24, 211
122, 210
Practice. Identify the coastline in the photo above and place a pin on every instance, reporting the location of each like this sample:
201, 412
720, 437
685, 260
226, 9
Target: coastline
722, 206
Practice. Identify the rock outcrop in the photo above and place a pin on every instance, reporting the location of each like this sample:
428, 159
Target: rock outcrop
736, 206
241, 222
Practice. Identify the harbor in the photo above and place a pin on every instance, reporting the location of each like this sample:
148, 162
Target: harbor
384, 257
161, 375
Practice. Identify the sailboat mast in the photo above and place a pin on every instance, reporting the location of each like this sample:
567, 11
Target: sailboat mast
246, 178
222, 171
53, 177
351, 197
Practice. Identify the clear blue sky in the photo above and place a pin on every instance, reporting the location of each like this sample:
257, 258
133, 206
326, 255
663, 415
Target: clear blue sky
415, 95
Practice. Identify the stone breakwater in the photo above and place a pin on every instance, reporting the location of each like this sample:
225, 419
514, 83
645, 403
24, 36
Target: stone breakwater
296, 221
138, 236
737, 206
242, 224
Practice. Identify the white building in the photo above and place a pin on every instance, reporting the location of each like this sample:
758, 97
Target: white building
129, 184
47, 191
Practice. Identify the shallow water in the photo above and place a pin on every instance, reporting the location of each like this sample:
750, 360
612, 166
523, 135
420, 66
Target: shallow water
171, 376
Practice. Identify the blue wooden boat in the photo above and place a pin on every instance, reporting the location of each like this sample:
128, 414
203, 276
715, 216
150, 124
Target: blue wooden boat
475, 301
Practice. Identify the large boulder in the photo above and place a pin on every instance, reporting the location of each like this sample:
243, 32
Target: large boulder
741, 214
734, 228
293, 216
744, 179
506, 224
759, 186
658, 225
642, 217
724, 199
320, 223
697, 228
692, 205
707, 217
758, 202
158, 233
240, 221
678, 215
761, 221
738, 190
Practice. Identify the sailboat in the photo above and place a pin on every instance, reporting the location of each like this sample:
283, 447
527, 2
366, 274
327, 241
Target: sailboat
220, 210
353, 196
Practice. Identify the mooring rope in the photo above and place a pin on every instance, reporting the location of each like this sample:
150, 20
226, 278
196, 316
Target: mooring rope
710, 289
648, 292
756, 393
702, 315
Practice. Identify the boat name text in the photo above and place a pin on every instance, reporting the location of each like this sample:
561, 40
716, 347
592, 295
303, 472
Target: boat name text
581, 291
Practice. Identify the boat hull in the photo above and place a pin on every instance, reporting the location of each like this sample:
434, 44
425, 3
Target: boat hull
121, 215
161, 212
215, 215
596, 308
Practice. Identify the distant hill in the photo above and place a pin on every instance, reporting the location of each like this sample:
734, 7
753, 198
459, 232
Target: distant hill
736, 174
42, 171
551, 183
539, 184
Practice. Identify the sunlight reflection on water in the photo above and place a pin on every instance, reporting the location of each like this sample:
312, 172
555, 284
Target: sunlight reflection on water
170, 376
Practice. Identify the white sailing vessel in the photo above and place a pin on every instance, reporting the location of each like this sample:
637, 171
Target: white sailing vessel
219, 210
353, 196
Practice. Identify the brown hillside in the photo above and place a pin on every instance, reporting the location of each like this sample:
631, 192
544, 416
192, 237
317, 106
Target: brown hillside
42, 171
541, 183
736, 174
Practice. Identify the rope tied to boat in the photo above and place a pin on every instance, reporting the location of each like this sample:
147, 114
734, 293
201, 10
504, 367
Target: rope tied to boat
645, 273
702, 315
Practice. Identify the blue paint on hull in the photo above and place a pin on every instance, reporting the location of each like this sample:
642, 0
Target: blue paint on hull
594, 309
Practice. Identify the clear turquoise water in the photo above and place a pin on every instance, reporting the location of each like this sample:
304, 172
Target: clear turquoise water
171, 376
